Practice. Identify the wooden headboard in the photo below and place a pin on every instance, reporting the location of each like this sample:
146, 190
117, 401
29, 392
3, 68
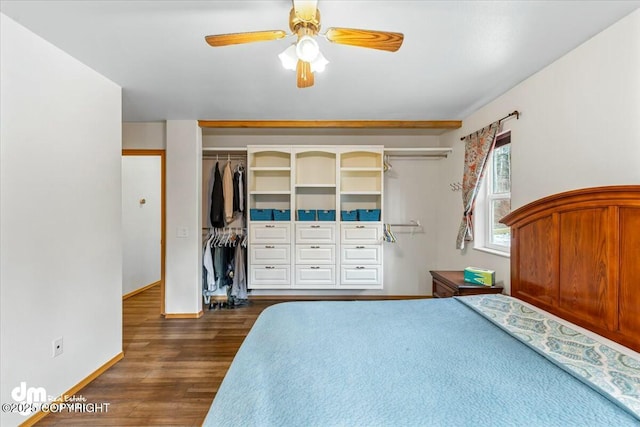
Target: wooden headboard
577, 255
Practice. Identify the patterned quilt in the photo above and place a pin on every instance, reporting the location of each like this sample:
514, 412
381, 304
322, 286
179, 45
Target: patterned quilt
611, 372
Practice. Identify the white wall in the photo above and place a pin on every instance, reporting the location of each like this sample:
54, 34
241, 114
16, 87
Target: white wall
411, 192
141, 222
144, 135
579, 128
60, 227
183, 267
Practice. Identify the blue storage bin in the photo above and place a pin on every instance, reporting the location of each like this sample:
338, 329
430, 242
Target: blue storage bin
326, 215
282, 215
349, 215
306, 215
261, 214
369, 214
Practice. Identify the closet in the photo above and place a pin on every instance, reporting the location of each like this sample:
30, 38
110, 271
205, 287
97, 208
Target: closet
315, 217
313, 214
224, 232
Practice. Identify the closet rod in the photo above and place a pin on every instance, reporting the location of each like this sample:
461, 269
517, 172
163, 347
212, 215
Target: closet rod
225, 149
224, 228
222, 157
411, 223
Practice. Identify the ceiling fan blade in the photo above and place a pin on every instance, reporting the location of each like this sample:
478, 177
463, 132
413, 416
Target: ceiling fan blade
305, 9
305, 76
382, 40
240, 38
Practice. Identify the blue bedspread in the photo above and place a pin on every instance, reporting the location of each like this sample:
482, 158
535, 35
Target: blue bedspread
398, 363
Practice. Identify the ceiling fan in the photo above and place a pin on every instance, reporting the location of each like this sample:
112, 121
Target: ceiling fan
304, 56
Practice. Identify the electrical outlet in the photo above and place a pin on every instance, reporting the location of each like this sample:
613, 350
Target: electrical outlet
57, 347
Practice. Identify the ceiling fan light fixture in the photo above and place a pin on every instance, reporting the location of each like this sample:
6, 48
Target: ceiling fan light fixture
319, 64
307, 49
304, 56
288, 58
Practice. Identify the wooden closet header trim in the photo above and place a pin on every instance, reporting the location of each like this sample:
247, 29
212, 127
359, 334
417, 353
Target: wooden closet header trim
377, 124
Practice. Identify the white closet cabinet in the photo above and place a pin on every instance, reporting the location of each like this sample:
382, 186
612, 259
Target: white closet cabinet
269, 179
315, 190
321, 251
361, 190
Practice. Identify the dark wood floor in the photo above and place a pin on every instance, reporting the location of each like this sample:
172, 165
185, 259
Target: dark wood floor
171, 368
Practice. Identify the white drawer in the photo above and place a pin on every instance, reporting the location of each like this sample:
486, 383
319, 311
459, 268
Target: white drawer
361, 233
315, 254
270, 254
361, 275
361, 254
270, 276
269, 232
315, 275
316, 233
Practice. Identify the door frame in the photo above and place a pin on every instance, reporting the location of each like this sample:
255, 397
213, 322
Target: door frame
162, 154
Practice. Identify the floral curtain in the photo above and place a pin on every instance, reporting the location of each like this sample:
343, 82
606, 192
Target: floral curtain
478, 146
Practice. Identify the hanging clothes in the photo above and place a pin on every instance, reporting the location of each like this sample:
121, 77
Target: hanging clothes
227, 189
218, 266
238, 188
236, 191
207, 263
212, 177
241, 189
217, 200
224, 265
239, 286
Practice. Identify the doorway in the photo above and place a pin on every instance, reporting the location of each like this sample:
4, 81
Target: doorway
143, 222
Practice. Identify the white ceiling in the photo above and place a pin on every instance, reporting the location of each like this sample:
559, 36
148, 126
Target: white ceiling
456, 57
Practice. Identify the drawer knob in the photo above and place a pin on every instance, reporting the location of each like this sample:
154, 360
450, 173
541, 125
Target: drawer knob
359, 267
315, 226
269, 267
315, 268
269, 226
359, 226
359, 247
269, 246
315, 247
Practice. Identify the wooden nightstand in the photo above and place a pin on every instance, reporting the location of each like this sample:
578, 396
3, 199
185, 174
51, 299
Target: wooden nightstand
451, 283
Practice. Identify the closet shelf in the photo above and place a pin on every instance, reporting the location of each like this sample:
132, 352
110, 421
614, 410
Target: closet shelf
270, 192
361, 193
270, 168
361, 169
315, 186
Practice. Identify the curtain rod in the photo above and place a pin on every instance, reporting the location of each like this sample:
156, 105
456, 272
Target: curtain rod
513, 113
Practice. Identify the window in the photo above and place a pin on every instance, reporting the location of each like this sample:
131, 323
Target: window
494, 200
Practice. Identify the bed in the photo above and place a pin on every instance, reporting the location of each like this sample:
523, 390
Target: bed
483, 360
